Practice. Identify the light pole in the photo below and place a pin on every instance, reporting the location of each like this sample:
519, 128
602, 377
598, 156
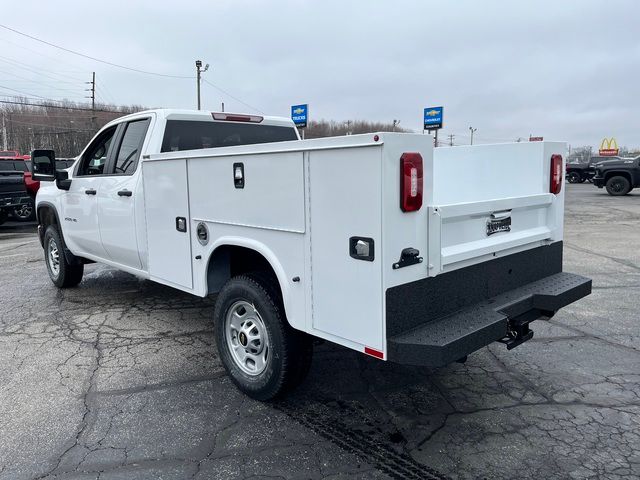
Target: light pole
199, 72
472, 130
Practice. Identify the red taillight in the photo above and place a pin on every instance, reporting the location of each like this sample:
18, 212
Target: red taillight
556, 174
230, 117
410, 182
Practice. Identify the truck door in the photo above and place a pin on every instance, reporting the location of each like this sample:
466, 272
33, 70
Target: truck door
118, 196
79, 204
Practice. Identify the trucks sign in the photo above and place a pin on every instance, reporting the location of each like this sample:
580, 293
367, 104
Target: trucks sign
433, 118
299, 115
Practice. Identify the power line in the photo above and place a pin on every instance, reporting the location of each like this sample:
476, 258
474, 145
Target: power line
229, 95
23, 93
36, 69
92, 58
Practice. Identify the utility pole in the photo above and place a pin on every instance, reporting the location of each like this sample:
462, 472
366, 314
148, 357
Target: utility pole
92, 90
451, 135
4, 134
92, 97
472, 130
199, 72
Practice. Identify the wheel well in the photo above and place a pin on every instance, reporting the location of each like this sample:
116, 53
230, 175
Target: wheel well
608, 175
46, 216
228, 261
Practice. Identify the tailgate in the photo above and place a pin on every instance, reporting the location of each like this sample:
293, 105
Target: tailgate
12, 182
490, 200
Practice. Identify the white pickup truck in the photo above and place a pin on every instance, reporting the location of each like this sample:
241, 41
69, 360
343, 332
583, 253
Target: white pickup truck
376, 242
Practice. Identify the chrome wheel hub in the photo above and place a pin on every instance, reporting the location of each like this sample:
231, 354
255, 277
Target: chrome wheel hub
247, 338
53, 257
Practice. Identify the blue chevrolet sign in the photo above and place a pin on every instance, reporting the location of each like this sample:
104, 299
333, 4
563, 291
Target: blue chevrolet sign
433, 118
299, 114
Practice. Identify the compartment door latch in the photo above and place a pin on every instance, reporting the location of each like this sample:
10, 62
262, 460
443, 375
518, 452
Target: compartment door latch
409, 256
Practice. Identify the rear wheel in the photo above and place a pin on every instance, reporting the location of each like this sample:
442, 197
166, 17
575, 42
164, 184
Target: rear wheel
618, 186
24, 213
573, 177
262, 354
62, 273
3, 216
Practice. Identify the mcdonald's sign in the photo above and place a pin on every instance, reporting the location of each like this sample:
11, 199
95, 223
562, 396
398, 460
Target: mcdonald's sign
609, 147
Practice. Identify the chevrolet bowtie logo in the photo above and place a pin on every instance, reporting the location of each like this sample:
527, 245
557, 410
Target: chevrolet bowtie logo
298, 111
432, 113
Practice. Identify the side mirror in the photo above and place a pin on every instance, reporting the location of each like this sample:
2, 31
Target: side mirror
43, 165
62, 180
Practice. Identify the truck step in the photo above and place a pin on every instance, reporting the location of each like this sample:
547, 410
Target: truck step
443, 340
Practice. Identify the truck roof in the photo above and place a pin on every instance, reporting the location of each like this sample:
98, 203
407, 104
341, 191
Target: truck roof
207, 115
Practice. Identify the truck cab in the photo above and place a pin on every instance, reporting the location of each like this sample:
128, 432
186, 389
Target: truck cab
101, 205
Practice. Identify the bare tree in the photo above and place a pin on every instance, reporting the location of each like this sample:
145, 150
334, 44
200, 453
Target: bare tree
65, 127
331, 128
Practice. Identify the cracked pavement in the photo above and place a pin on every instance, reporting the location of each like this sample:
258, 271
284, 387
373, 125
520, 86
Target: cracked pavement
119, 379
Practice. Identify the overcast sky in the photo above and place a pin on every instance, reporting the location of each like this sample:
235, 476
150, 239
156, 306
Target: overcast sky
565, 70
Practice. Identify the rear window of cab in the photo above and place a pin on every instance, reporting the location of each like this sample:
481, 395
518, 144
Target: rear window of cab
195, 135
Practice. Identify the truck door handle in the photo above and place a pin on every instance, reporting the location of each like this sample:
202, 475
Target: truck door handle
125, 193
90, 191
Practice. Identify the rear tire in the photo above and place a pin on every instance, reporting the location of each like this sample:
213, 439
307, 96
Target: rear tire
262, 354
618, 186
62, 273
3, 216
574, 177
24, 213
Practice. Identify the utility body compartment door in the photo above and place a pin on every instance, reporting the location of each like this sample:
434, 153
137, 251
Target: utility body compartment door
166, 203
344, 202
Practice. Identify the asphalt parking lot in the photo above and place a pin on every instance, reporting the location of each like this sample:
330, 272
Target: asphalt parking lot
119, 379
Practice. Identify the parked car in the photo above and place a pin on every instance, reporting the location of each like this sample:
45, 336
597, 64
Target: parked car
360, 240
13, 191
618, 176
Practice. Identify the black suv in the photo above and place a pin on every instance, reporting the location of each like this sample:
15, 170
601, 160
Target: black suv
618, 176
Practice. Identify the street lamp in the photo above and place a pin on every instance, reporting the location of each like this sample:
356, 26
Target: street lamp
200, 71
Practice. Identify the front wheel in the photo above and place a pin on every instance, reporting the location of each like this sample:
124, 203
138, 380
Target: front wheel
618, 186
261, 353
62, 273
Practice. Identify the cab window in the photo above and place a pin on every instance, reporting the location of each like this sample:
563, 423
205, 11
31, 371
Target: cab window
130, 146
95, 158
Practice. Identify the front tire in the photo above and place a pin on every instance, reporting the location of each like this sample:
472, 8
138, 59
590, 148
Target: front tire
261, 353
62, 273
618, 186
